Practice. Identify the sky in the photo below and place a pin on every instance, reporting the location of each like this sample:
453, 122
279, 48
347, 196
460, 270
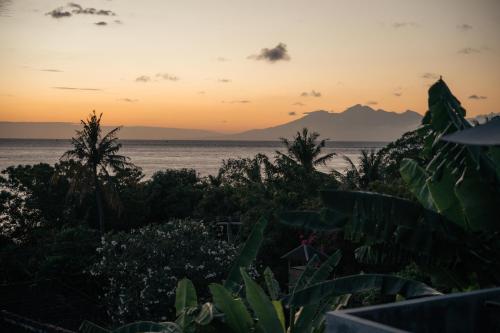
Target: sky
230, 66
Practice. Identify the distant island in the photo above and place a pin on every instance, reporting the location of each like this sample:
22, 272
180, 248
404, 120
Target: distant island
357, 123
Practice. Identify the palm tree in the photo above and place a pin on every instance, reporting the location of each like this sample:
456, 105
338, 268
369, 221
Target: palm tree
97, 155
304, 150
369, 170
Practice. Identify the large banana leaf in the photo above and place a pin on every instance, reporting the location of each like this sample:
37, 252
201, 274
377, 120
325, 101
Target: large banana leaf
236, 316
247, 254
185, 296
305, 319
416, 179
386, 284
273, 287
268, 317
185, 301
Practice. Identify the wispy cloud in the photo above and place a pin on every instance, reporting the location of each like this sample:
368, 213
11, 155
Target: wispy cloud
430, 76
241, 101
409, 24
464, 27
313, 93
372, 103
74, 88
469, 50
51, 70
128, 100
222, 59
292, 113
298, 104
477, 97
224, 80
58, 13
272, 55
101, 23
143, 78
398, 94
167, 76
77, 9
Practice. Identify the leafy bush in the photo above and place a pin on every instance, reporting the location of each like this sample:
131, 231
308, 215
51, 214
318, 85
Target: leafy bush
141, 268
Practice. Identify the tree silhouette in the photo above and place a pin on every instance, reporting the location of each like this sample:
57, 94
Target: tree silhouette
305, 151
98, 156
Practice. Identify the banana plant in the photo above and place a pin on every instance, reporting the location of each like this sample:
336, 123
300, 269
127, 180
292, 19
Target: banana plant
453, 230
307, 304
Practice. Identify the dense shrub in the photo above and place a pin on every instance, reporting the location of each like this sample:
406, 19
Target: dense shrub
141, 268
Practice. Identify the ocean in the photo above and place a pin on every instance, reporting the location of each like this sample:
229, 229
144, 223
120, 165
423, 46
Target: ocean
204, 156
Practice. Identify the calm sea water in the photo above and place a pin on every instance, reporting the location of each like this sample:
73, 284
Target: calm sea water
204, 156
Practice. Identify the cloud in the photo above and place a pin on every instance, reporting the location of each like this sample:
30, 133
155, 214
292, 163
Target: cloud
241, 101
201, 92
118, 22
128, 100
292, 113
313, 93
73, 88
222, 59
101, 23
398, 94
168, 77
371, 103
298, 104
469, 50
477, 97
398, 25
76, 9
464, 27
58, 13
224, 80
430, 76
277, 53
51, 70
143, 78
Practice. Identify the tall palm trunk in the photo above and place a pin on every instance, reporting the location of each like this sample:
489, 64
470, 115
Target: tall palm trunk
98, 201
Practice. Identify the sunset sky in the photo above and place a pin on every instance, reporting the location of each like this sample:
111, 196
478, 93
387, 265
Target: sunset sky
235, 65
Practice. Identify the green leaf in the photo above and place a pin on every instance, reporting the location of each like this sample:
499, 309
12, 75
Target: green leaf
247, 254
273, 286
185, 296
268, 320
447, 203
479, 203
278, 307
236, 315
307, 273
415, 177
308, 313
326, 268
185, 301
386, 284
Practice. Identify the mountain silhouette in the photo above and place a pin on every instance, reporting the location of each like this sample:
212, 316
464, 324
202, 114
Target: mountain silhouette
357, 123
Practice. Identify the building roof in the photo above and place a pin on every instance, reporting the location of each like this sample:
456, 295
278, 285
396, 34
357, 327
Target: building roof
487, 134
